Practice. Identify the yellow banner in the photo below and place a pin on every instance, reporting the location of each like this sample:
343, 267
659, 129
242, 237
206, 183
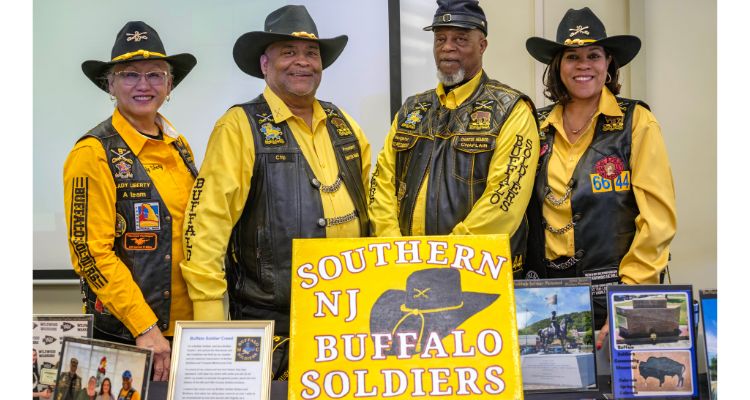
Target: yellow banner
413, 317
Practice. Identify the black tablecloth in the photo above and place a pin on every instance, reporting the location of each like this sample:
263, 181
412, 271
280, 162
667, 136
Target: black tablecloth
158, 391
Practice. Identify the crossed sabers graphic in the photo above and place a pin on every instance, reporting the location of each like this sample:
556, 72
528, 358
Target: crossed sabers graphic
421, 293
264, 118
136, 36
578, 29
483, 105
121, 157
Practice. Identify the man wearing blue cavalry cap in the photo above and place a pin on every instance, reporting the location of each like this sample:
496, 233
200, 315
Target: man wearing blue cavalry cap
128, 392
460, 158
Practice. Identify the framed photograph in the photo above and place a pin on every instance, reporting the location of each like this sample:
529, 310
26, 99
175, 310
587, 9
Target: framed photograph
48, 331
652, 338
708, 301
221, 360
96, 366
555, 334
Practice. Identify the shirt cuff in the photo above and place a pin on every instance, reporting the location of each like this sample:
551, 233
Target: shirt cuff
209, 310
139, 320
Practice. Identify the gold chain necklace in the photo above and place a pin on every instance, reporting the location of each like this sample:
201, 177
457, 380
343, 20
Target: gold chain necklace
588, 122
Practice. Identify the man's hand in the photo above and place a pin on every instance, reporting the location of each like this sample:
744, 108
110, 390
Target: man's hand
602, 335
154, 340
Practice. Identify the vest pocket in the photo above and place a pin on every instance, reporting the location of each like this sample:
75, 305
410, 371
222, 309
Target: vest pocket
471, 157
264, 252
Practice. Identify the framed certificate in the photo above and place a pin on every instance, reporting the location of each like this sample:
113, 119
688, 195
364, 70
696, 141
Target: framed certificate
91, 365
652, 338
555, 332
48, 331
221, 360
710, 333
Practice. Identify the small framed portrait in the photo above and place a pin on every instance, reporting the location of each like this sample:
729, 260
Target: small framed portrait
221, 360
48, 331
90, 366
652, 337
556, 334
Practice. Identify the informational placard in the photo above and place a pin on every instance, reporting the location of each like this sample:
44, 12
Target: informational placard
93, 366
416, 317
221, 360
709, 303
652, 339
555, 332
48, 331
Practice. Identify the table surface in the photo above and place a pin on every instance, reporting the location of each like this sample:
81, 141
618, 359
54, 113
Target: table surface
158, 391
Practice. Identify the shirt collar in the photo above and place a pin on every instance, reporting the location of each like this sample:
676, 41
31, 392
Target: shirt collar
281, 112
607, 106
457, 96
134, 139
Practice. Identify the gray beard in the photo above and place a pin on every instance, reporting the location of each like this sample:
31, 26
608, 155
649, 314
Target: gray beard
450, 80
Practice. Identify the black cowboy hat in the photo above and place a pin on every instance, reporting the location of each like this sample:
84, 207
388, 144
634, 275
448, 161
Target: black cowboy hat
580, 28
461, 13
433, 302
138, 41
287, 23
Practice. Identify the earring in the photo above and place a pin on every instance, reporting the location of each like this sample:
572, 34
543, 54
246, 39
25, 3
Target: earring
609, 78
169, 96
112, 98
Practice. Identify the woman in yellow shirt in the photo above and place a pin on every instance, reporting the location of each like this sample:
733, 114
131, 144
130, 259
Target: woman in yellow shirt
127, 183
604, 202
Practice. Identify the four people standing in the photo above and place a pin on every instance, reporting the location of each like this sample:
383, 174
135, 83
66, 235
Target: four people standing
459, 159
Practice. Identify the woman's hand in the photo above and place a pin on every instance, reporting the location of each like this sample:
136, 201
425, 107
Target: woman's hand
602, 335
154, 340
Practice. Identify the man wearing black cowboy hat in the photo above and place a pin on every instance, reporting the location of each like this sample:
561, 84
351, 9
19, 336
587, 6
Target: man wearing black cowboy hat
459, 159
281, 166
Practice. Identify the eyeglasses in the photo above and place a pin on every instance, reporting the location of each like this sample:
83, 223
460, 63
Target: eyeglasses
131, 78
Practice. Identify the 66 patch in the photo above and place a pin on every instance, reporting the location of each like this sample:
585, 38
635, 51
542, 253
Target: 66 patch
147, 216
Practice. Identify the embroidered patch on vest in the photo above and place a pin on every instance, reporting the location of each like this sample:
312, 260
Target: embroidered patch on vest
609, 167
402, 142
481, 115
341, 128
123, 164
248, 348
474, 143
140, 241
612, 124
623, 106
414, 117
272, 134
120, 225
147, 216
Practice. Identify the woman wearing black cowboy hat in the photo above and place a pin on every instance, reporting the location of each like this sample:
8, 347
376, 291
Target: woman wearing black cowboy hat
604, 202
127, 183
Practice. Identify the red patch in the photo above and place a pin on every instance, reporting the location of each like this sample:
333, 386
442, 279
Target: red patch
544, 149
609, 167
99, 306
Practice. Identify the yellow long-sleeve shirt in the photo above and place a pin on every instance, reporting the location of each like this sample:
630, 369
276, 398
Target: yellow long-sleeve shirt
651, 182
484, 217
225, 178
121, 295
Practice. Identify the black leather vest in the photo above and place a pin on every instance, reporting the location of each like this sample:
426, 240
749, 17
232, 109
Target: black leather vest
455, 147
284, 203
602, 201
143, 232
